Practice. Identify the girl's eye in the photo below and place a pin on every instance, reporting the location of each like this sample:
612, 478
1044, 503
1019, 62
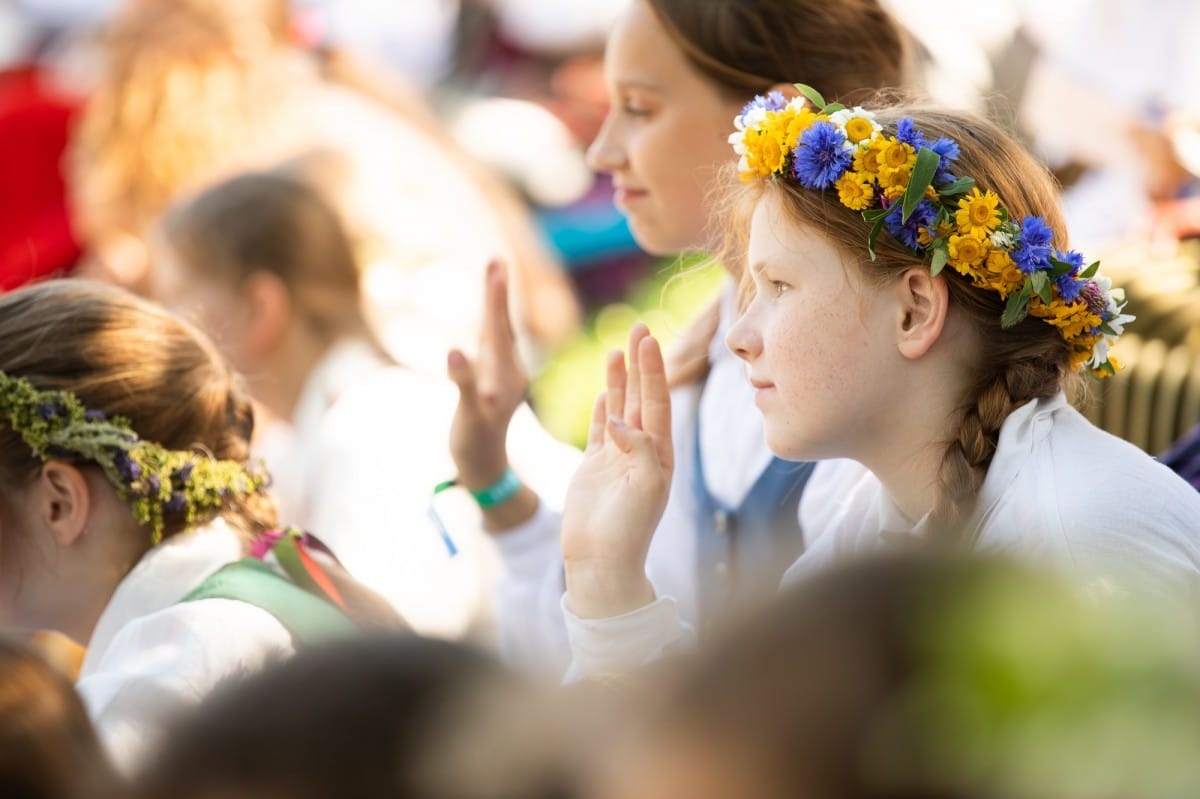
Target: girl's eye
778, 287
634, 108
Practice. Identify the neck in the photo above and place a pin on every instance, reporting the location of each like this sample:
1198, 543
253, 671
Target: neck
280, 382
907, 448
93, 567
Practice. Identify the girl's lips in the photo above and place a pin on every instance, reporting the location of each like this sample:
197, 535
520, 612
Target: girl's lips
623, 196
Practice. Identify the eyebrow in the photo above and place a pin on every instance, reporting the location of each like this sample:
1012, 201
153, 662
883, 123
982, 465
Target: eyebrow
639, 84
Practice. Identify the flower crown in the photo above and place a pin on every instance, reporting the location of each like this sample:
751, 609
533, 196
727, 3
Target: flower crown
904, 183
152, 479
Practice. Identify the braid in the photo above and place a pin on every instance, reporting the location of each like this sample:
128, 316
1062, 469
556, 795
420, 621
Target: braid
967, 458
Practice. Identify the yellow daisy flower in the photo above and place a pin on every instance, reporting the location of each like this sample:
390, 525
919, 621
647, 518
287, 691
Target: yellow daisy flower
977, 213
765, 153
1005, 276
855, 191
859, 129
1072, 319
798, 121
896, 162
966, 252
866, 159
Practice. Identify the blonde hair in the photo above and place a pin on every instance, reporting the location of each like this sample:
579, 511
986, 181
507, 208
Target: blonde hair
185, 87
1015, 365
127, 357
270, 222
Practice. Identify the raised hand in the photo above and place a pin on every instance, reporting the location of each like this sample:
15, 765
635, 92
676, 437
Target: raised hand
490, 389
617, 496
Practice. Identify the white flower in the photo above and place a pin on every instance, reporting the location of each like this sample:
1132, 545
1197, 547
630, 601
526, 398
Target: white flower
752, 118
798, 103
738, 140
1002, 238
1100, 352
841, 118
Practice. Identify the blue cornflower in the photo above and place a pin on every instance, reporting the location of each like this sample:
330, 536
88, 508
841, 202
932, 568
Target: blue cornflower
175, 503
948, 150
907, 132
154, 483
1032, 253
47, 410
820, 158
95, 415
908, 233
1069, 284
127, 467
182, 474
772, 101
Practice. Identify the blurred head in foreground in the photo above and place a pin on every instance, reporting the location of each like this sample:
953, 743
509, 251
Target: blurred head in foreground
919, 677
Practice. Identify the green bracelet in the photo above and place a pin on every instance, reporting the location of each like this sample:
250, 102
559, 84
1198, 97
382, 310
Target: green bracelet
500, 491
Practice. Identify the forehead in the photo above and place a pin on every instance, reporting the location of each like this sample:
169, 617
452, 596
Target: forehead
775, 235
640, 51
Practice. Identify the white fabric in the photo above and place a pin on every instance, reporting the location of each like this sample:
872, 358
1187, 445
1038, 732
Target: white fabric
1059, 491
529, 593
148, 655
358, 468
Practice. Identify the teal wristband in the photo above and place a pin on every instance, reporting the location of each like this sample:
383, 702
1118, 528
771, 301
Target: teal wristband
500, 491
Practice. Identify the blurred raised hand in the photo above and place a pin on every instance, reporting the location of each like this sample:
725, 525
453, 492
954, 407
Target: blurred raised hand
491, 389
617, 496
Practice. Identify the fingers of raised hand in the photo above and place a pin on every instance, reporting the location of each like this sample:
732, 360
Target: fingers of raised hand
655, 399
595, 438
615, 381
633, 387
496, 332
462, 373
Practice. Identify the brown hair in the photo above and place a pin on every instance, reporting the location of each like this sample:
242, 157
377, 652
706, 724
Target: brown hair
127, 357
745, 46
1015, 365
48, 748
270, 222
844, 49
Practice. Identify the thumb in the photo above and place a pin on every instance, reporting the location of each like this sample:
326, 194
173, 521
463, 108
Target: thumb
462, 373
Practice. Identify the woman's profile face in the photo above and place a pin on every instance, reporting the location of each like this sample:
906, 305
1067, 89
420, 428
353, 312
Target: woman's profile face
815, 342
665, 136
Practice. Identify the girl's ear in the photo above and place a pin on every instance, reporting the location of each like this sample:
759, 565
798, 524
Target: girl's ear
63, 501
923, 303
269, 304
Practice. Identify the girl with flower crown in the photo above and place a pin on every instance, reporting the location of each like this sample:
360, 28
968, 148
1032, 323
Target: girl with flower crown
913, 307
677, 71
128, 507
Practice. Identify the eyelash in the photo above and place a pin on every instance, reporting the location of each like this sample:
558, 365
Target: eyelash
634, 111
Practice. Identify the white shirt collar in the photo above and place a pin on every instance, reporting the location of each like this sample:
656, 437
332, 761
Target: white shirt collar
162, 577
1020, 434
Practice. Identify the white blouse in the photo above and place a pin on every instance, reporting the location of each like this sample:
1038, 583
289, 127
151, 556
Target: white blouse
1059, 491
148, 654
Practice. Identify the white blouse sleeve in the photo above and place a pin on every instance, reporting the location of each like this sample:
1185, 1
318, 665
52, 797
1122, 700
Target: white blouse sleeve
170, 659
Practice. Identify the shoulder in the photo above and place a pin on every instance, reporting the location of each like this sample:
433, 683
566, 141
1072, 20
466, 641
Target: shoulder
169, 659
1115, 507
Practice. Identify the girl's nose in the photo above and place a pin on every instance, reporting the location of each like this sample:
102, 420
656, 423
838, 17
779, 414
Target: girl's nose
606, 153
743, 338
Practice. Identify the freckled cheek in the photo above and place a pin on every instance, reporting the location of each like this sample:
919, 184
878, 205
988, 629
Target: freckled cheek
819, 357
